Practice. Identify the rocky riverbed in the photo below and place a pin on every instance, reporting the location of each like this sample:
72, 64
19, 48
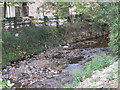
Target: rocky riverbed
51, 68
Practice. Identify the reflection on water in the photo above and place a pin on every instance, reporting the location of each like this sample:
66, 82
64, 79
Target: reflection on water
86, 53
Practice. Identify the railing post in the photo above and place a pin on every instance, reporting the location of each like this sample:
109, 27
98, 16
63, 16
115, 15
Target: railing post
23, 21
30, 24
45, 20
9, 21
15, 22
57, 21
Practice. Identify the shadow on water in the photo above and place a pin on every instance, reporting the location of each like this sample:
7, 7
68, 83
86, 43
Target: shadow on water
100, 43
81, 53
87, 53
75, 59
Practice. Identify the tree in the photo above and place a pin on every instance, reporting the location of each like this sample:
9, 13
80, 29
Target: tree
5, 6
24, 9
45, 8
56, 8
115, 30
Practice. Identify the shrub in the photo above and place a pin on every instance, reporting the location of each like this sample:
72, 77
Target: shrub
5, 84
114, 43
27, 40
98, 63
77, 75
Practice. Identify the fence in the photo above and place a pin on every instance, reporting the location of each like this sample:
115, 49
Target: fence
18, 22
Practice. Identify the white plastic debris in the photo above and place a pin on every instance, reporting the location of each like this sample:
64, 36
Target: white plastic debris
17, 34
65, 47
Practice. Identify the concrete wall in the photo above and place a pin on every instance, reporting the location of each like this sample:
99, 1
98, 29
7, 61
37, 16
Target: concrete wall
33, 9
10, 11
13, 11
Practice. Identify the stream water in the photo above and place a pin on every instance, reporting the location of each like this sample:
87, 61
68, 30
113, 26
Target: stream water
53, 68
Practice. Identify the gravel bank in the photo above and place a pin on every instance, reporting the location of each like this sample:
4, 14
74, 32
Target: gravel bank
107, 78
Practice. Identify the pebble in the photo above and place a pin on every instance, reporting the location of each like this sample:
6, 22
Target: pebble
30, 79
24, 83
103, 78
41, 80
22, 80
56, 75
29, 73
65, 47
5, 70
12, 78
49, 76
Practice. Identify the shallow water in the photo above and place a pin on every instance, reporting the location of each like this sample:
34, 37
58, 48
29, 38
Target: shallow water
70, 61
87, 52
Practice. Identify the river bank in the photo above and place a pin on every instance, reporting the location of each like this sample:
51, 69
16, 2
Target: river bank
106, 78
53, 67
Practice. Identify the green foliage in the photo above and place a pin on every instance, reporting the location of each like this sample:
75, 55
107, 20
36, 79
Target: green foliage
29, 41
101, 14
108, 86
96, 79
6, 84
81, 7
77, 75
114, 37
105, 16
61, 9
68, 86
3, 84
56, 8
98, 63
95, 86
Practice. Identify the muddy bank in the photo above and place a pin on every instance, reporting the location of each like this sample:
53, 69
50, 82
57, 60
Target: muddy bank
53, 67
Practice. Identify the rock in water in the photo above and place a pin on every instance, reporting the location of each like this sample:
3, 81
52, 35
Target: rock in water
65, 47
52, 69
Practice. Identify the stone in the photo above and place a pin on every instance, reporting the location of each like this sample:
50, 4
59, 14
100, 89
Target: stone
24, 83
12, 78
56, 75
49, 76
65, 47
30, 79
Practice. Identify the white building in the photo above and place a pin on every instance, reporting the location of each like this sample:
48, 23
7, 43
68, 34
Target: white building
14, 10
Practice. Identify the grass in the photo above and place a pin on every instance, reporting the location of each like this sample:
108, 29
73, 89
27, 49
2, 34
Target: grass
29, 40
97, 63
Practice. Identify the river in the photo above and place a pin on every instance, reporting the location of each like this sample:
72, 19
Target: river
53, 68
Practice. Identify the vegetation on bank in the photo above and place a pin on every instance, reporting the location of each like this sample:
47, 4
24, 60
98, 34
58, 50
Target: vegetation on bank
32, 40
27, 41
98, 63
105, 78
5, 84
102, 18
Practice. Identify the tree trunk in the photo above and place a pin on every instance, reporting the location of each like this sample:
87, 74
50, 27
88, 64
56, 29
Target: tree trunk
43, 12
5, 7
25, 9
